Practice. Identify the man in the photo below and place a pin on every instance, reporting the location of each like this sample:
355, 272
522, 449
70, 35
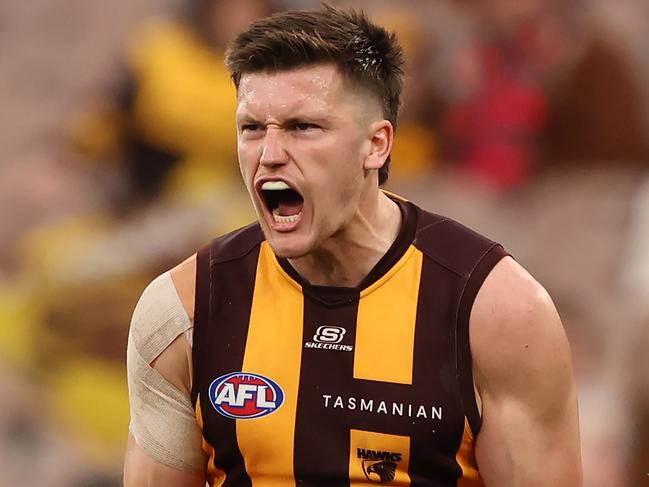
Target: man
328, 344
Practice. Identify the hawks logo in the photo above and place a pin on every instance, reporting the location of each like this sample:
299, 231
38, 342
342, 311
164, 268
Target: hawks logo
243, 395
379, 466
385, 470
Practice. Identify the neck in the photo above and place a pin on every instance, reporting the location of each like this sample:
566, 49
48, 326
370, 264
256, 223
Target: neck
350, 254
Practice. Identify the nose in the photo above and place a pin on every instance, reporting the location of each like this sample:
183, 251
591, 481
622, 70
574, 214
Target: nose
273, 152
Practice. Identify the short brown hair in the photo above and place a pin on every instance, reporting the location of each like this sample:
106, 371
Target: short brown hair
365, 53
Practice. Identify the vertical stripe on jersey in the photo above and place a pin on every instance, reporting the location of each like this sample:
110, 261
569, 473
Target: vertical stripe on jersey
433, 445
224, 290
273, 349
465, 458
364, 468
386, 323
321, 433
215, 476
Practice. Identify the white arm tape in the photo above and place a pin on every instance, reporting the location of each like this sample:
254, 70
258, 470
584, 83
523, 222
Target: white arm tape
162, 418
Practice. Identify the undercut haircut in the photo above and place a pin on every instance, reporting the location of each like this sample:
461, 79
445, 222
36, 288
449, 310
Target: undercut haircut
367, 55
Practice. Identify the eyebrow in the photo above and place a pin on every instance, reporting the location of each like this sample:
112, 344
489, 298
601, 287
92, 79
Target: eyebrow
305, 118
247, 118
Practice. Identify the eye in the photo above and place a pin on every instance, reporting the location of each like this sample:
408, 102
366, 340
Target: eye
251, 127
303, 126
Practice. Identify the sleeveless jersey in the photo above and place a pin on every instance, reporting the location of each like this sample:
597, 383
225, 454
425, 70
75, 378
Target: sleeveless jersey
296, 384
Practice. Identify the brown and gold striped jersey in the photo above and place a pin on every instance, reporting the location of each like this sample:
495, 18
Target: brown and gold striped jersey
296, 384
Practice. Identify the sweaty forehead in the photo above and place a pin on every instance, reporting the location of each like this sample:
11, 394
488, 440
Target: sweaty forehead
313, 88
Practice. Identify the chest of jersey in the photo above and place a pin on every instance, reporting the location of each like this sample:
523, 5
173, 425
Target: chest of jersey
298, 386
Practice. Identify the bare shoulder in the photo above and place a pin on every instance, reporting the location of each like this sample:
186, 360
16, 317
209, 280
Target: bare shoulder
509, 289
517, 340
184, 279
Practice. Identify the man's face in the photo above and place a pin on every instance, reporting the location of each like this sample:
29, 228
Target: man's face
303, 138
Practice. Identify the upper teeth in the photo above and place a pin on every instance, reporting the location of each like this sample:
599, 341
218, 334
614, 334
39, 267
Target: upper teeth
275, 185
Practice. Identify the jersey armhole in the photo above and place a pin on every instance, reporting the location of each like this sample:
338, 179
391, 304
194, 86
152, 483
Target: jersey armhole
201, 308
464, 363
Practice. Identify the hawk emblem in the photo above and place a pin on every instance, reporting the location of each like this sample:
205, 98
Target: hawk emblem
385, 471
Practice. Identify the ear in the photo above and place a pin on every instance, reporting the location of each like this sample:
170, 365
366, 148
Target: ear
382, 135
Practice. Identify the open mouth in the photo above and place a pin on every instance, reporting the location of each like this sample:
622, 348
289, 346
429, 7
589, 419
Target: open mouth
283, 202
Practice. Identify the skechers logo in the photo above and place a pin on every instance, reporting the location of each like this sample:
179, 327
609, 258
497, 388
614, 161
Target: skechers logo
328, 337
243, 395
379, 466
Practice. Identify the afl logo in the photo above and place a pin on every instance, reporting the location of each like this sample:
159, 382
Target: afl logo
243, 395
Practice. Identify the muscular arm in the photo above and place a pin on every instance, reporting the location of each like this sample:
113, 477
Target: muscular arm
141, 470
523, 375
144, 465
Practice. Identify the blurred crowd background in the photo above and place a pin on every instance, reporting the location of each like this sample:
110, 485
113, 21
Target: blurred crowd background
527, 120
